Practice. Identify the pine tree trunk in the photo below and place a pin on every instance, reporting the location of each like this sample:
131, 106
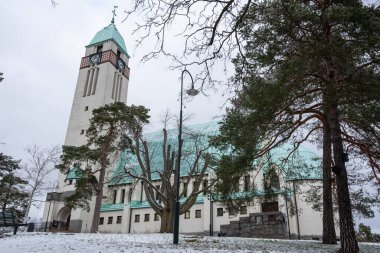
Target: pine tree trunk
347, 232
98, 201
329, 235
166, 221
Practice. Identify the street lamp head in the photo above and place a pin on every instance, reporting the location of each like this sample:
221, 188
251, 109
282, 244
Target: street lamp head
192, 92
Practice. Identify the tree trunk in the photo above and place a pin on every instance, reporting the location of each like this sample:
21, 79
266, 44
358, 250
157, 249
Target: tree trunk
7, 197
329, 235
347, 232
166, 221
98, 201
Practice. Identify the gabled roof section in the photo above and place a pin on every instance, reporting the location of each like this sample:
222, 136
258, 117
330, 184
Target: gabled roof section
109, 32
74, 173
155, 140
303, 164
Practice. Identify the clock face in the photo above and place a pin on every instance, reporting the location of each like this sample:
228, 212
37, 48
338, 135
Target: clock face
95, 59
120, 64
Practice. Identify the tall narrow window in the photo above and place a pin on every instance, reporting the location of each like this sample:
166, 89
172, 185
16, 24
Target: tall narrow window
95, 81
158, 195
205, 185
122, 197
185, 189
114, 86
99, 49
118, 53
117, 87
120, 83
130, 195
86, 83
247, 182
114, 196
195, 185
142, 191
90, 82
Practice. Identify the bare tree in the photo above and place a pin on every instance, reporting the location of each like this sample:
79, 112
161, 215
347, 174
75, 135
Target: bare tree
208, 30
40, 165
156, 161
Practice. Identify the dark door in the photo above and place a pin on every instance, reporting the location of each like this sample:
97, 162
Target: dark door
67, 223
269, 207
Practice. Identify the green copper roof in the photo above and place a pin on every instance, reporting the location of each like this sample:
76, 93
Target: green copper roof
74, 173
109, 32
145, 204
112, 207
154, 140
250, 194
301, 165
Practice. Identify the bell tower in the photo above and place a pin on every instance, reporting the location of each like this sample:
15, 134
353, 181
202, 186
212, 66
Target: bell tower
103, 79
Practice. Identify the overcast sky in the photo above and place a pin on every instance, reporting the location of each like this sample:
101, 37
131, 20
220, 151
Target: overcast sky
40, 52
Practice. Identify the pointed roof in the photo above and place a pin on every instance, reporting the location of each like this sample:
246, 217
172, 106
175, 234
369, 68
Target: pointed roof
109, 32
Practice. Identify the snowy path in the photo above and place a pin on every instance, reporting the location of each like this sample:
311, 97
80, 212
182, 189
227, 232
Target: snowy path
156, 243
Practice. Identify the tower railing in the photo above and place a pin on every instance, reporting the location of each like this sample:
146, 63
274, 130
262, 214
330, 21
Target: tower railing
107, 56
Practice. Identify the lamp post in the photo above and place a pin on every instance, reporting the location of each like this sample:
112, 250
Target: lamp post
190, 92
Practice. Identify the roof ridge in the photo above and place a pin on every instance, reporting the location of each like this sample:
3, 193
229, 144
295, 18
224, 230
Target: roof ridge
110, 32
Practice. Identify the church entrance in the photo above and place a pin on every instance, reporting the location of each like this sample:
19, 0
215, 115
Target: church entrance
63, 219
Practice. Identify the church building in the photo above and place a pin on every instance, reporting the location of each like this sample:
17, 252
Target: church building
103, 79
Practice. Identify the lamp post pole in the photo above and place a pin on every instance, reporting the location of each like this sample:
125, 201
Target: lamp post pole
191, 92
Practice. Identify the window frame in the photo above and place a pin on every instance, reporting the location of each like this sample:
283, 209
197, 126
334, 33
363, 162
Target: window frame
219, 212
198, 213
122, 196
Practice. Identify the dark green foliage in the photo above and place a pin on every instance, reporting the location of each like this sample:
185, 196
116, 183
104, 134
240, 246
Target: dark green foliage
13, 195
7, 164
364, 234
305, 65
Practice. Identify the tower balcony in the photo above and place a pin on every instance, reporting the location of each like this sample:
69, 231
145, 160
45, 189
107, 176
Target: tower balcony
106, 56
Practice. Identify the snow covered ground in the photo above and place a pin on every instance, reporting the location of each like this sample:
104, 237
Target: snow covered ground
138, 243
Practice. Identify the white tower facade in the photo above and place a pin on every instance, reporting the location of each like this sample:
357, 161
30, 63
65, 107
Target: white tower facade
103, 79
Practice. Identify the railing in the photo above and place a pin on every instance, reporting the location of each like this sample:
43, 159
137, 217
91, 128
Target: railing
106, 56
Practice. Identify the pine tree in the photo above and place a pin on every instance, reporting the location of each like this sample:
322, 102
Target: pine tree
106, 139
307, 67
13, 195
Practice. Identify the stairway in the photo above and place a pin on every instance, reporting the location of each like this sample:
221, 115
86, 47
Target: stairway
257, 225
